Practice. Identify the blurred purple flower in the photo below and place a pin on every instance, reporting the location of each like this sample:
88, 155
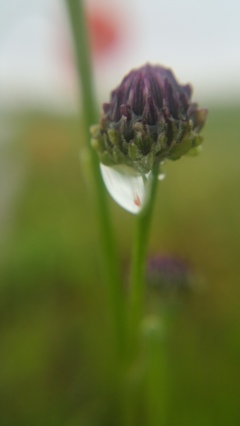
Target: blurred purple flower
168, 274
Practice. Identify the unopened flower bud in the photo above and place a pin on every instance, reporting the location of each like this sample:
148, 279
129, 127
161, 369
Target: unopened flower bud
150, 118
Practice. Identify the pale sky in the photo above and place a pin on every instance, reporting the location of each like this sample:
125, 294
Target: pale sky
199, 40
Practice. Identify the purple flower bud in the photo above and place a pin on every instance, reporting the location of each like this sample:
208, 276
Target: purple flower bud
150, 117
168, 274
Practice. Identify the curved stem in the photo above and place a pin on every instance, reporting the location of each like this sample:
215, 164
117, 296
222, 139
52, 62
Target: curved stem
109, 257
137, 281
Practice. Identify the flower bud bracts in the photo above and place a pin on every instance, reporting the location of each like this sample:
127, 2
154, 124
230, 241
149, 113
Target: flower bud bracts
150, 118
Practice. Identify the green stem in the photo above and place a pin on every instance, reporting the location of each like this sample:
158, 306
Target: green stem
137, 281
90, 116
155, 381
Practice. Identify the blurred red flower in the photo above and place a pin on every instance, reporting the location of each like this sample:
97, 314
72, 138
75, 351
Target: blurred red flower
105, 30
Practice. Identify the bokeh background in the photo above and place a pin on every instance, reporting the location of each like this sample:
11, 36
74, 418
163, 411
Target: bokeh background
56, 364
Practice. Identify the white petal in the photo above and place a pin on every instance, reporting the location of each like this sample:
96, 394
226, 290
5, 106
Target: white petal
126, 187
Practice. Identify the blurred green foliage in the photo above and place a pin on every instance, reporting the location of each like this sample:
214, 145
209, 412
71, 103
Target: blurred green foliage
56, 360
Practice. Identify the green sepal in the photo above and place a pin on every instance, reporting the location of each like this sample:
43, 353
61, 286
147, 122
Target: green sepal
194, 151
180, 148
113, 136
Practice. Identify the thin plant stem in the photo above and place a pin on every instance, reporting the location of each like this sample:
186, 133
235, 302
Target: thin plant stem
89, 116
155, 381
137, 278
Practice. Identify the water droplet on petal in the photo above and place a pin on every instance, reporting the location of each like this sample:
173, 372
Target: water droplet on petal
126, 187
161, 176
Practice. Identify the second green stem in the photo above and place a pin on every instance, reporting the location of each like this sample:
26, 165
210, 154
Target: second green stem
137, 278
108, 247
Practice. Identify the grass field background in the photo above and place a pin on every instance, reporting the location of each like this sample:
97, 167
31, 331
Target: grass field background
56, 364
